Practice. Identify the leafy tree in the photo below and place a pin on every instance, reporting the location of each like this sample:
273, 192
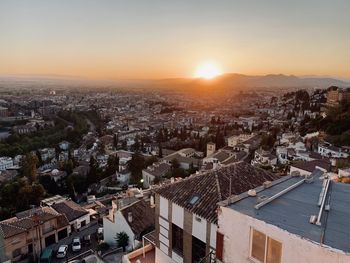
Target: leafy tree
112, 165
29, 167
268, 141
135, 165
115, 141
124, 145
49, 184
175, 164
93, 175
160, 151
122, 240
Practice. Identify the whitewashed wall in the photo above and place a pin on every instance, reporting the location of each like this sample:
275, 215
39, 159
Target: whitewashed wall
236, 229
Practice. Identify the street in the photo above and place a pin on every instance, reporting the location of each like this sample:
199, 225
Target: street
90, 230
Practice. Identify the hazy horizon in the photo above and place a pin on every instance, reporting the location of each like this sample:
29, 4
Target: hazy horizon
119, 40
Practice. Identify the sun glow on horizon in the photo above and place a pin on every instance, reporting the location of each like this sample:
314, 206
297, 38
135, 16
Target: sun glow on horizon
207, 71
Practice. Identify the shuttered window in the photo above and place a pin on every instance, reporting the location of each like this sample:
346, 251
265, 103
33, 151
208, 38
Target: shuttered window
265, 249
219, 245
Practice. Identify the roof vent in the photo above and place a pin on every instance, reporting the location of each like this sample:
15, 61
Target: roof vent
327, 207
252, 192
130, 217
295, 173
267, 184
313, 219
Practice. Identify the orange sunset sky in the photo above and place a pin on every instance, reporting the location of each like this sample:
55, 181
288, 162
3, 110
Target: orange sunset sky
115, 39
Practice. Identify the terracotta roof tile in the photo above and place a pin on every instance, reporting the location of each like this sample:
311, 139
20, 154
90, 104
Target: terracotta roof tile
213, 187
142, 216
70, 209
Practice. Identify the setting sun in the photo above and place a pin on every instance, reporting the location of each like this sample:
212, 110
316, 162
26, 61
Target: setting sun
207, 71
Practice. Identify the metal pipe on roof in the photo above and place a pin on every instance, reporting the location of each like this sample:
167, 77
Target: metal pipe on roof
318, 222
268, 200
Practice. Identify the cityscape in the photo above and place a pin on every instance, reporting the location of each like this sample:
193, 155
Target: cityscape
127, 136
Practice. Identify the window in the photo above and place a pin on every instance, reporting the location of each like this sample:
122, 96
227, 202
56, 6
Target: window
177, 239
194, 199
16, 252
198, 250
265, 249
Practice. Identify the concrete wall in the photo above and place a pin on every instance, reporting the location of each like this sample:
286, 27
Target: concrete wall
178, 215
167, 214
302, 172
77, 223
199, 228
161, 257
236, 229
110, 230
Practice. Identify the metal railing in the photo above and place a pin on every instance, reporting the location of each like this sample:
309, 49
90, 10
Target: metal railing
210, 258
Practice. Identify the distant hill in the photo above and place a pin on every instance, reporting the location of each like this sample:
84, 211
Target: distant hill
223, 82
268, 81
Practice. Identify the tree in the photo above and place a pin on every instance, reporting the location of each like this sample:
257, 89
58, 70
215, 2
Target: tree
175, 163
124, 145
136, 146
160, 151
29, 167
93, 174
122, 240
135, 165
115, 141
112, 165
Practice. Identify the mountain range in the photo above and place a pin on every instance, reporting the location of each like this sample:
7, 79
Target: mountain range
225, 81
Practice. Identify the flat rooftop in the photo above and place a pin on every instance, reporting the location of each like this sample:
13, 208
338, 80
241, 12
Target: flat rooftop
292, 210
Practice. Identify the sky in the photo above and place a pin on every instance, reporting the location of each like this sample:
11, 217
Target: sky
150, 39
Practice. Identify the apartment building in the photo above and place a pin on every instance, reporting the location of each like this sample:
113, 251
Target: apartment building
291, 220
30, 232
186, 211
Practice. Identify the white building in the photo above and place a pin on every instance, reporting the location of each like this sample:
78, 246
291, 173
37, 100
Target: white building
77, 216
282, 222
133, 219
264, 158
156, 170
5, 163
331, 151
237, 139
186, 211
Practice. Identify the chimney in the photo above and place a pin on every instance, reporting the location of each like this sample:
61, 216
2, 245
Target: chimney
215, 164
130, 217
152, 201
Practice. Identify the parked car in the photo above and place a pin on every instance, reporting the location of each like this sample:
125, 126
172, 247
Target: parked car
62, 251
76, 244
46, 256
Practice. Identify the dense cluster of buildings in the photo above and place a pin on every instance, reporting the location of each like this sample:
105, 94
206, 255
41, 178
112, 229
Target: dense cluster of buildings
235, 181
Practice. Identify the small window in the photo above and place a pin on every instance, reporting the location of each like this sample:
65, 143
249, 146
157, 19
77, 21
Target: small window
194, 199
265, 249
16, 252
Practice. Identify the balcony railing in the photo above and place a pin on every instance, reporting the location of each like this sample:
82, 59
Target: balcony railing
210, 258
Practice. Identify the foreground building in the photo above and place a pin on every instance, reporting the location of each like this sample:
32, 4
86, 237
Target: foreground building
292, 220
30, 232
186, 211
134, 219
